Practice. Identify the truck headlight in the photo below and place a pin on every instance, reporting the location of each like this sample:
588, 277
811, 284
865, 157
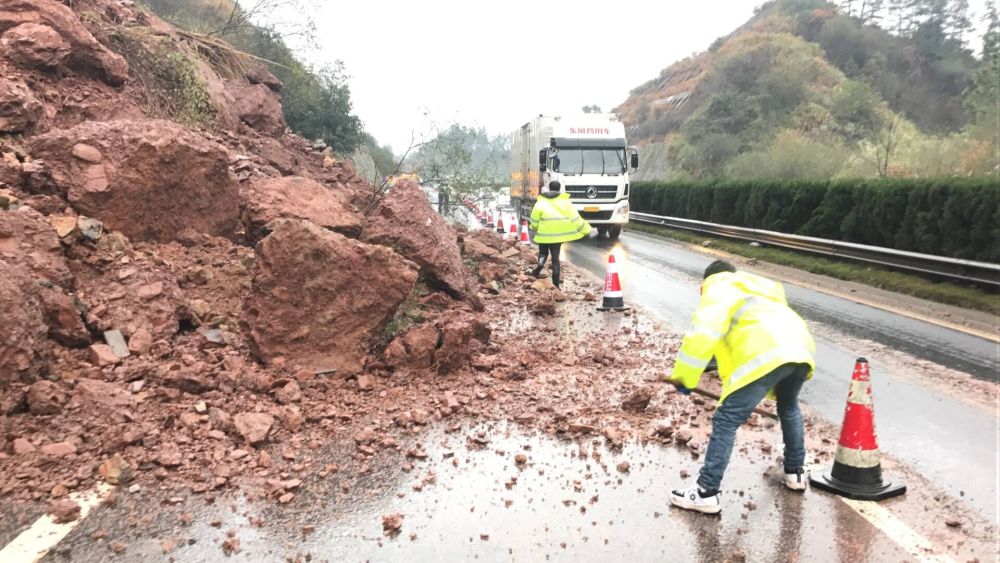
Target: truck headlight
623, 210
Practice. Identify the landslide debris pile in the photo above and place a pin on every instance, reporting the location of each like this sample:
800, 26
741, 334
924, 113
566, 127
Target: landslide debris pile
176, 292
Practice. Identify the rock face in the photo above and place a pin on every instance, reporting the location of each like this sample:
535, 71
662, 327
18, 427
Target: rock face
445, 345
31, 45
405, 221
28, 240
261, 75
148, 179
86, 55
24, 349
259, 107
19, 109
294, 197
318, 297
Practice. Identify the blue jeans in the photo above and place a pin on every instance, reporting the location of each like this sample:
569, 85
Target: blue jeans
787, 381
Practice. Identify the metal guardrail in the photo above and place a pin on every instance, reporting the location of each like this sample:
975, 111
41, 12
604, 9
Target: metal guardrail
956, 268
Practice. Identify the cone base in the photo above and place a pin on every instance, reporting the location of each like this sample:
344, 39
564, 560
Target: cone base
830, 484
613, 307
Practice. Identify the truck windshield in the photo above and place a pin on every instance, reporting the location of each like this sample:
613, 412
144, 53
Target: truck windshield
591, 161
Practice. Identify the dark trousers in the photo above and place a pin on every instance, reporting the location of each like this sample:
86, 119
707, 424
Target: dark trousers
544, 251
787, 381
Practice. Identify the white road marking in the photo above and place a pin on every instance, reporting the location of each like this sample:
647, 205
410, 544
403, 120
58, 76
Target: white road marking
916, 545
44, 534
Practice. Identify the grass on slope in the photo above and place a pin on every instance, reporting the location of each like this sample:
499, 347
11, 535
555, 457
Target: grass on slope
969, 297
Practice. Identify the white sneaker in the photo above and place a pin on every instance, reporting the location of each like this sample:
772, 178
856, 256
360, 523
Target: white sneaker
796, 481
691, 499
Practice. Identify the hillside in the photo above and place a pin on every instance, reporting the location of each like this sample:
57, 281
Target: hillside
808, 89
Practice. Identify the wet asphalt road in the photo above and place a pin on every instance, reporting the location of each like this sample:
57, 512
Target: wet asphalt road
939, 436
563, 507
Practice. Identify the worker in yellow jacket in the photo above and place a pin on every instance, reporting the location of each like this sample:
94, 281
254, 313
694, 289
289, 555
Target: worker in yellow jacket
555, 221
762, 347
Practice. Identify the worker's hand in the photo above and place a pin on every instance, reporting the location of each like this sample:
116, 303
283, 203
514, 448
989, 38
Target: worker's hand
678, 386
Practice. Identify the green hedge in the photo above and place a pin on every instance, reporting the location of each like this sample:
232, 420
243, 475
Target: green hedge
958, 217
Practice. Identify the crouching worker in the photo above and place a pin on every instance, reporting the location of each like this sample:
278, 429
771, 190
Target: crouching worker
762, 347
555, 221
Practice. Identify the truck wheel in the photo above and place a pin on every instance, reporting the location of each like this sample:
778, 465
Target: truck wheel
602, 230
615, 232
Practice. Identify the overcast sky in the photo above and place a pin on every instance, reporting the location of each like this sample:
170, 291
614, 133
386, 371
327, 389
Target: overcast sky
498, 64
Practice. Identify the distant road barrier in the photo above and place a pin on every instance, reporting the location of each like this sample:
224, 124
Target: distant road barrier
956, 268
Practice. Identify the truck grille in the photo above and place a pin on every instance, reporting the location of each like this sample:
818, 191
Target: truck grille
596, 215
603, 192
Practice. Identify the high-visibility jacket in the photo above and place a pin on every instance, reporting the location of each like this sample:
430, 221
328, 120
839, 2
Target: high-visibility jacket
745, 322
554, 219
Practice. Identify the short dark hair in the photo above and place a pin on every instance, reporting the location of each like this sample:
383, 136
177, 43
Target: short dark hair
554, 186
718, 267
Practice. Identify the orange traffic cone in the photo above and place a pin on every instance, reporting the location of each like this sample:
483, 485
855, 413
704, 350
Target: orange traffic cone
857, 470
614, 299
500, 224
512, 235
524, 233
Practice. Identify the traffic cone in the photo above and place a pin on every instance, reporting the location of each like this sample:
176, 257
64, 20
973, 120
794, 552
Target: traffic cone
614, 299
857, 471
512, 235
500, 224
524, 233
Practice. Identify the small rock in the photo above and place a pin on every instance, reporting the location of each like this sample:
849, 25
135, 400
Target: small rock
91, 229
169, 455
392, 523
141, 342
638, 401
63, 511
213, 337
288, 393
953, 523
286, 498
58, 449
45, 397
101, 355
520, 459
230, 546
116, 471
87, 153
116, 341
22, 446
254, 427
150, 291
624, 467
365, 382
63, 224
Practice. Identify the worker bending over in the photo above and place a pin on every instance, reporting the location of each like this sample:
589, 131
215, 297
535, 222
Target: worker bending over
555, 221
762, 347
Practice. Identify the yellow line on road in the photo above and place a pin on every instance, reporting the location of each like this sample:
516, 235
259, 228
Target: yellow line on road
35, 542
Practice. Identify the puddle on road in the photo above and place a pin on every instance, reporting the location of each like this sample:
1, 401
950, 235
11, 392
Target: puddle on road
563, 506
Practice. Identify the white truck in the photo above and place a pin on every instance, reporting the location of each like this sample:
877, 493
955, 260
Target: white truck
587, 154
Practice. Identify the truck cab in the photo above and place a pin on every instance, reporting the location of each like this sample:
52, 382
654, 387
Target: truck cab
587, 154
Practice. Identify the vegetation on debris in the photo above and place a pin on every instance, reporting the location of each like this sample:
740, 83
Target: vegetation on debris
957, 217
316, 100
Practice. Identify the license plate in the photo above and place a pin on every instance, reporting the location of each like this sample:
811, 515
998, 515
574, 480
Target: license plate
591, 208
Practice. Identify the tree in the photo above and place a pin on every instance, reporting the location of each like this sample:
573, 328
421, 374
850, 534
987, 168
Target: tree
982, 99
592, 109
463, 161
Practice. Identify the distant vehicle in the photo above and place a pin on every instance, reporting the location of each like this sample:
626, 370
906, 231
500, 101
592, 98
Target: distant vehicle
587, 154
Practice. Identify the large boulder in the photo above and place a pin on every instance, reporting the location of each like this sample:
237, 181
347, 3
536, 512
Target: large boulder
259, 107
86, 54
24, 349
20, 110
405, 221
294, 197
319, 298
31, 45
27, 239
148, 179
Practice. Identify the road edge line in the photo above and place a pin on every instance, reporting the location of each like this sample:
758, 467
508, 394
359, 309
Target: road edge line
905, 537
44, 534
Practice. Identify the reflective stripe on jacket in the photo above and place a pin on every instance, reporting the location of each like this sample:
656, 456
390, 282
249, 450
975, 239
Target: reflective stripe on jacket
744, 321
555, 220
